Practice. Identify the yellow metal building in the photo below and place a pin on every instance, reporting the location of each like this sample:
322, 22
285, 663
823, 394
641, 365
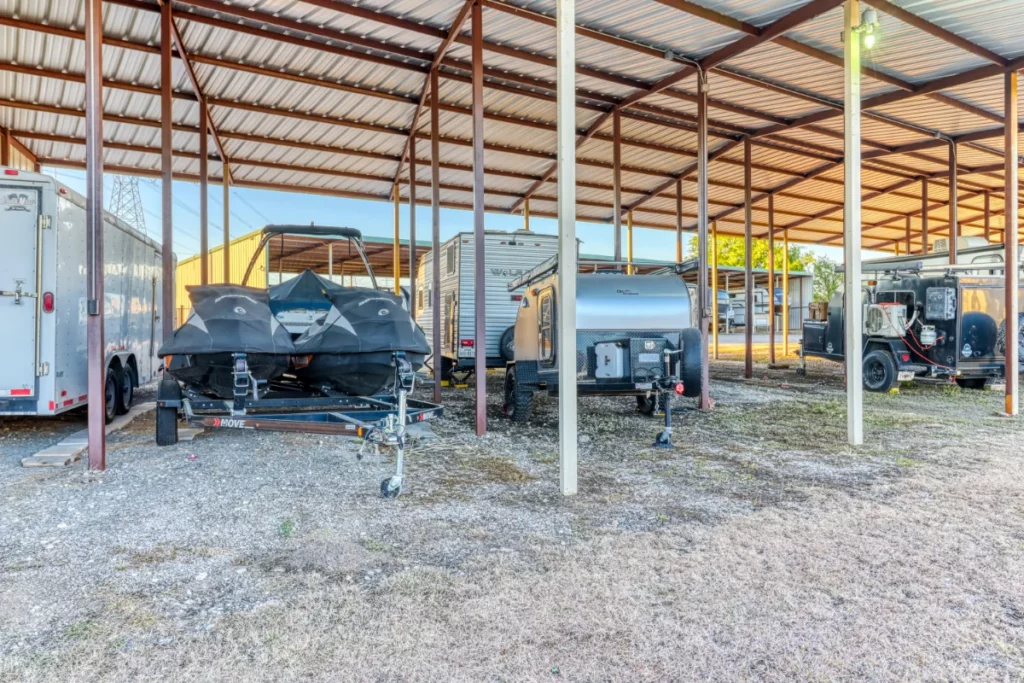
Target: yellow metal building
242, 248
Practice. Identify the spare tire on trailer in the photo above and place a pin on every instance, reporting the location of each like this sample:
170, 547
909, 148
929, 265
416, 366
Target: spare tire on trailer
507, 345
691, 373
166, 416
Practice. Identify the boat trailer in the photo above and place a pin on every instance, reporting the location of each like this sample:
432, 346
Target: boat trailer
377, 420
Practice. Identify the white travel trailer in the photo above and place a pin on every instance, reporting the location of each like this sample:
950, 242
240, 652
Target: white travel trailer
507, 255
970, 251
43, 300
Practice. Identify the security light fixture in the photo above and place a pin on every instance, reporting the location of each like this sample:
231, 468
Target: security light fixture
868, 28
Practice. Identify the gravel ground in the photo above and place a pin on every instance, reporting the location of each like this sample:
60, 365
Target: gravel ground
761, 547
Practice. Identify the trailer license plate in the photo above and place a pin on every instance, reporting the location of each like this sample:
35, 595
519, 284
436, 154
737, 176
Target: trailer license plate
467, 353
905, 376
647, 357
644, 386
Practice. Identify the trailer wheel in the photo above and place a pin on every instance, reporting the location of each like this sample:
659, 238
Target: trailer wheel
648, 405
507, 345
518, 401
879, 371
166, 417
691, 375
126, 393
110, 391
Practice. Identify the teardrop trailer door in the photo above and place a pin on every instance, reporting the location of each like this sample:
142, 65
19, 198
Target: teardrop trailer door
19, 296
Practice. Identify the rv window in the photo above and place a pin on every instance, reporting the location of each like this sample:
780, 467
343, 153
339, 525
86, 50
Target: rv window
450, 260
546, 321
419, 305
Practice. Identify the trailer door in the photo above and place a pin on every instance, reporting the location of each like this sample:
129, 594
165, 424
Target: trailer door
19, 230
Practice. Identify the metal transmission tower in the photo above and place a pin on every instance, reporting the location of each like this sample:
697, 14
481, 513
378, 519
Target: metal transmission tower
126, 203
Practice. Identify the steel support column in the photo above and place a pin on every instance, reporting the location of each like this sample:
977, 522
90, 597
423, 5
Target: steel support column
5, 148
396, 244
704, 402
412, 229
852, 226
565, 308
785, 293
330, 261
629, 243
988, 217
226, 187
617, 184
526, 214
679, 220
166, 171
924, 216
771, 279
748, 266
1010, 240
714, 289
908, 242
479, 290
435, 231
954, 226
95, 351
204, 199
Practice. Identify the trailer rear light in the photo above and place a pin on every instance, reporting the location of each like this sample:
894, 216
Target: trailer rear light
679, 388
517, 297
905, 357
466, 342
21, 392
48, 302
10, 171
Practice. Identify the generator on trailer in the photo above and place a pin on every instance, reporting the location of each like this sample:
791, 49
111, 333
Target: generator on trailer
43, 300
920, 325
507, 255
634, 337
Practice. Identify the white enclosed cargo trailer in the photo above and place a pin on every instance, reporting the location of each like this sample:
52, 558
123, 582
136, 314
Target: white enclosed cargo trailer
507, 255
43, 300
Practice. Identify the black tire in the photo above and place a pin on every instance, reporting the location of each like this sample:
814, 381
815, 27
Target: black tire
507, 345
518, 400
879, 371
974, 383
110, 392
690, 373
1001, 340
647, 405
167, 418
126, 385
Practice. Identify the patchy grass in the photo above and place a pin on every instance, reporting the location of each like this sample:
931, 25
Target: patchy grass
286, 529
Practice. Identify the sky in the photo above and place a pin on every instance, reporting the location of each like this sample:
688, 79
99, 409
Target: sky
252, 209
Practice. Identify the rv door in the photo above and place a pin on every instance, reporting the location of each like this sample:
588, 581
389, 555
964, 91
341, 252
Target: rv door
20, 233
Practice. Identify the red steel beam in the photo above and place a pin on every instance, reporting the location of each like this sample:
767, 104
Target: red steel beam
95, 346
480, 298
439, 54
435, 233
167, 171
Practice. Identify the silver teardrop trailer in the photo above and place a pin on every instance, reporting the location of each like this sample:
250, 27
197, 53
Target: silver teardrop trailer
635, 337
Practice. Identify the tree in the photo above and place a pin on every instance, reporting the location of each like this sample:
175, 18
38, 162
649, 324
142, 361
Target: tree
731, 252
827, 279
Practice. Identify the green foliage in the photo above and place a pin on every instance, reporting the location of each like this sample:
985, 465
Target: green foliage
731, 253
826, 279
286, 529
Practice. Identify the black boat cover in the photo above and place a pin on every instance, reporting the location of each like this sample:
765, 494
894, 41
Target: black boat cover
363, 321
229, 319
308, 288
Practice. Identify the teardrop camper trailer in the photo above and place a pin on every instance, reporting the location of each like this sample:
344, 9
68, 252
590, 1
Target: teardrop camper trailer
633, 331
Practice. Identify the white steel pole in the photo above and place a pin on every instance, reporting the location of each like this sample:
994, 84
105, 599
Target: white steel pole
566, 302
852, 227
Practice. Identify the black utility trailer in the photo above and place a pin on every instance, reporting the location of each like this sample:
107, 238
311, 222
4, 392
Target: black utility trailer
285, 406
918, 325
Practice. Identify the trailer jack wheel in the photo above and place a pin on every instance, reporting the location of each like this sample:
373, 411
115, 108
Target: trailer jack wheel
391, 487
